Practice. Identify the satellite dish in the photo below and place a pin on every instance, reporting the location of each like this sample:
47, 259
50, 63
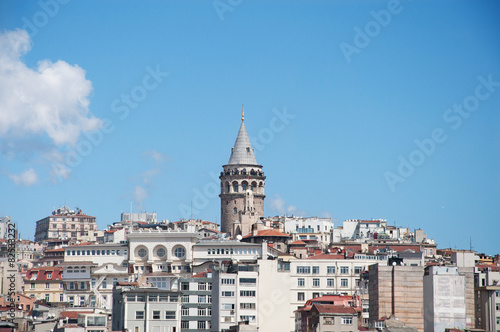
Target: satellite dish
239, 237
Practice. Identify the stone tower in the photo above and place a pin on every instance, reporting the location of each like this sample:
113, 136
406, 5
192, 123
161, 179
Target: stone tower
242, 187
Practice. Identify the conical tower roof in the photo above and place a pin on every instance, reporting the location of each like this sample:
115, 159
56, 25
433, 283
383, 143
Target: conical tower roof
242, 152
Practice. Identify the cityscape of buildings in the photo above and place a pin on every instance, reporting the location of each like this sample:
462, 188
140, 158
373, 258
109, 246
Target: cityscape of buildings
250, 273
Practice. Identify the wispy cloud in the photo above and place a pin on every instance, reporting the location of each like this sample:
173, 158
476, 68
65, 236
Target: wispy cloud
143, 190
26, 178
280, 206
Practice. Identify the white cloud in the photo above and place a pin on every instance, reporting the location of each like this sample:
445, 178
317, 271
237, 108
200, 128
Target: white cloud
27, 178
280, 206
277, 204
49, 100
140, 194
44, 109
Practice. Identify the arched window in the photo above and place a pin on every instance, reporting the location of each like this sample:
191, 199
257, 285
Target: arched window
235, 210
253, 185
244, 186
235, 187
179, 252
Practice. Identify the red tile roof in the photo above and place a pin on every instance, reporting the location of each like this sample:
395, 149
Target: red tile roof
72, 314
42, 273
55, 250
326, 256
267, 233
201, 274
334, 309
298, 242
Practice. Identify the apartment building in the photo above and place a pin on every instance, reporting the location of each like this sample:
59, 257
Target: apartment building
235, 296
91, 270
146, 309
45, 283
208, 253
444, 299
196, 302
487, 300
65, 223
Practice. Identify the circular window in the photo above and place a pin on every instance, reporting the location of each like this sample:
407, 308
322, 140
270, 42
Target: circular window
142, 253
160, 252
179, 252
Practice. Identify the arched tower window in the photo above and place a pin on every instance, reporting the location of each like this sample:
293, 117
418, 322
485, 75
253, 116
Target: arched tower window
235, 187
244, 186
235, 210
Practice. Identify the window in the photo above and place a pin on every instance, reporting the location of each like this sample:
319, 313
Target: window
61, 297
303, 269
184, 285
315, 295
32, 286
329, 320
202, 311
185, 312
169, 314
202, 286
357, 282
139, 315
330, 282
141, 253
47, 297
358, 269
47, 285
344, 270
49, 275
156, 314
344, 283
247, 293
184, 324
247, 305
300, 296
227, 306
185, 298
251, 281
202, 325
246, 318
227, 281
179, 252
346, 320
160, 252
141, 297
71, 285
315, 269
163, 297
227, 294
202, 299
301, 282
153, 297
82, 285
130, 297
315, 282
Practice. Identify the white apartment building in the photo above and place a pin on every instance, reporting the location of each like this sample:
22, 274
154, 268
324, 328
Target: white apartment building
444, 299
235, 296
309, 229
211, 252
141, 216
91, 270
161, 250
146, 309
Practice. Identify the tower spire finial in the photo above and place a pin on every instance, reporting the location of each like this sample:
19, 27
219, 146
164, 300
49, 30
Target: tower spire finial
242, 113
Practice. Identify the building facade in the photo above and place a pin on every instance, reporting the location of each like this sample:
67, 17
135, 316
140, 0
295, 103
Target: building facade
65, 223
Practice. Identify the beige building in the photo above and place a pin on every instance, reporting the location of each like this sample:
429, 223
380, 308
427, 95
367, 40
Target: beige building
396, 291
65, 223
45, 283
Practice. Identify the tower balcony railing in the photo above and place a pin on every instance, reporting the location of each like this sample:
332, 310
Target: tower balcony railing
243, 172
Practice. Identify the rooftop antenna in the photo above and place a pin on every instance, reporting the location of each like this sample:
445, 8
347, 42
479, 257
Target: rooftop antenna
470, 244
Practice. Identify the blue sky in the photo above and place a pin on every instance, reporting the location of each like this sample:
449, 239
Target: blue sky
357, 110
